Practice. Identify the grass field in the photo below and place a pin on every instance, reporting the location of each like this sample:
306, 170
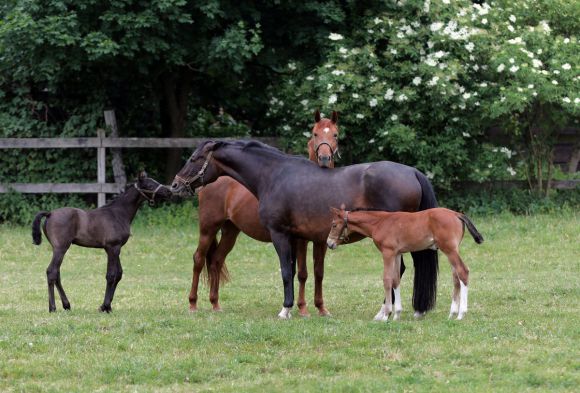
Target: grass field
522, 332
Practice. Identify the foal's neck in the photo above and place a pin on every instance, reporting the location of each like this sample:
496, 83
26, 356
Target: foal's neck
127, 204
364, 222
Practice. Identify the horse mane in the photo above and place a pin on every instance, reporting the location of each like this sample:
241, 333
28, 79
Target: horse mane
116, 197
250, 144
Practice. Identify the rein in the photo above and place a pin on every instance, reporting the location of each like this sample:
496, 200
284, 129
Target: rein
190, 179
332, 152
150, 200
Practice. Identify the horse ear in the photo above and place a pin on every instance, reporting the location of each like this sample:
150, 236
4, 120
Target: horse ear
334, 117
317, 116
334, 210
142, 175
342, 207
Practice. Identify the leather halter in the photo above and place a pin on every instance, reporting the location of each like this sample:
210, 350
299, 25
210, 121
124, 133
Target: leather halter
343, 237
149, 199
332, 152
190, 179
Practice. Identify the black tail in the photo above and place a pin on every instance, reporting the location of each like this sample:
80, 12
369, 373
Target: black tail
36, 233
471, 228
426, 262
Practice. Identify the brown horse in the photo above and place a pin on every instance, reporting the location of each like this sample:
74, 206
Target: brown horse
228, 206
107, 227
397, 232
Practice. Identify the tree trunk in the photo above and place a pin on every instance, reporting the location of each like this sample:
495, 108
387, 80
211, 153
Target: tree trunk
175, 88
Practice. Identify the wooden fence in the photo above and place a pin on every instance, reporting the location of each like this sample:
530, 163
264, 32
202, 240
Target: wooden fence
101, 143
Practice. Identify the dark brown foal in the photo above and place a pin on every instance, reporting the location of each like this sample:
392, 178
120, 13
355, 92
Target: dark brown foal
107, 227
395, 233
228, 206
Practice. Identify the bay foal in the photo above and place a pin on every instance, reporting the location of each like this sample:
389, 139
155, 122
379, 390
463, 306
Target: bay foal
228, 206
107, 227
397, 232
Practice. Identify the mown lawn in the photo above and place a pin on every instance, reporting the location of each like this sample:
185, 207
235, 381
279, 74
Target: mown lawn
522, 332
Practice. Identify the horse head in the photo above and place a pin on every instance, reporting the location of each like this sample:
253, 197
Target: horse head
197, 171
150, 189
323, 145
339, 229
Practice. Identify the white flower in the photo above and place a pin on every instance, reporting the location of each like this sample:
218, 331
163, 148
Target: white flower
445, 1
389, 94
360, 116
372, 140
310, 78
400, 34
530, 86
329, 86
455, 119
370, 31
511, 28
286, 127
511, 171
516, 41
537, 63
306, 134
554, 82
483, 84
470, 46
402, 98
512, 18
466, 134
343, 50
556, 72
304, 102
466, 96
332, 99
355, 95
566, 100
394, 118
514, 68
506, 151
337, 72
545, 27
373, 102
534, 94
576, 100
426, 6
393, 51
433, 81
377, 21
439, 54
335, 37
417, 80
429, 174
500, 68
436, 26
566, 66
512, 60
484, 21
292, 66
490, 165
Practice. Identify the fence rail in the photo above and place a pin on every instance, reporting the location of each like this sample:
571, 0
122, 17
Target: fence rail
101, 143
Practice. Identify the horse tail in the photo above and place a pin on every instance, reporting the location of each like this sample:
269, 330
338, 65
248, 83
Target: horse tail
36, 232
471, 228
426, 262
224, 275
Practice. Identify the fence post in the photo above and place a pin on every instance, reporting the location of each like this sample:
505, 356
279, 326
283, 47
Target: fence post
117, 161
101, 167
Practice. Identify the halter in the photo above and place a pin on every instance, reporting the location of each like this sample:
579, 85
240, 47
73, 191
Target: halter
190, 179
344, 234
150, 200
332, 152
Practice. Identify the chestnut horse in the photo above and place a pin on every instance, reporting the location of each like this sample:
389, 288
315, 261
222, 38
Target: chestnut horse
295, 199
228, 206
397, 232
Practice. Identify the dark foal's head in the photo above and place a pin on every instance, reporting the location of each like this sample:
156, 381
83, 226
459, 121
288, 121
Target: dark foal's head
197, 171
151, 190
324, 143
339, 229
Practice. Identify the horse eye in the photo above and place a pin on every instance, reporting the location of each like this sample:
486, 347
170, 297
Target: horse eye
335, 136
315, 134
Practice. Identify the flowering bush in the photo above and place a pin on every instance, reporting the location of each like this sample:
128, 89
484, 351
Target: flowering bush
423, 80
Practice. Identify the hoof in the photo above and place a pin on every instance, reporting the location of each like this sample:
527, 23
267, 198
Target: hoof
419, 314
51, 309
379, 317
285, 313
106, 309
217, 309
452, 315
66, 306
303, 312
323, 312
192, 308
460, 316
397, 316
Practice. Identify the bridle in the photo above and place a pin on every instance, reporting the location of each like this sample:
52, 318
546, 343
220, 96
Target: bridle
343, 237
143, 192
332, 152
190, 179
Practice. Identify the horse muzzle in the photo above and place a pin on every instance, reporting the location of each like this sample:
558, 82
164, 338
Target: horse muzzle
324, 161
331, 244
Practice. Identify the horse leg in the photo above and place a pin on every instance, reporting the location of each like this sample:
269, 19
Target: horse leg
319, 252
390, 281
301, 251
397, 288
283, 245
461, 281
206, 245
53, 278
454, 310
114, 275
227, 241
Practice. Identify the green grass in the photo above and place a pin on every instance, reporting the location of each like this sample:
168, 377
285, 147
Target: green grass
522, 331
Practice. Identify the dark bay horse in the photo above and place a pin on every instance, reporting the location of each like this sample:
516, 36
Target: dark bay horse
395, 233
295, 199
228, 206
107, 227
